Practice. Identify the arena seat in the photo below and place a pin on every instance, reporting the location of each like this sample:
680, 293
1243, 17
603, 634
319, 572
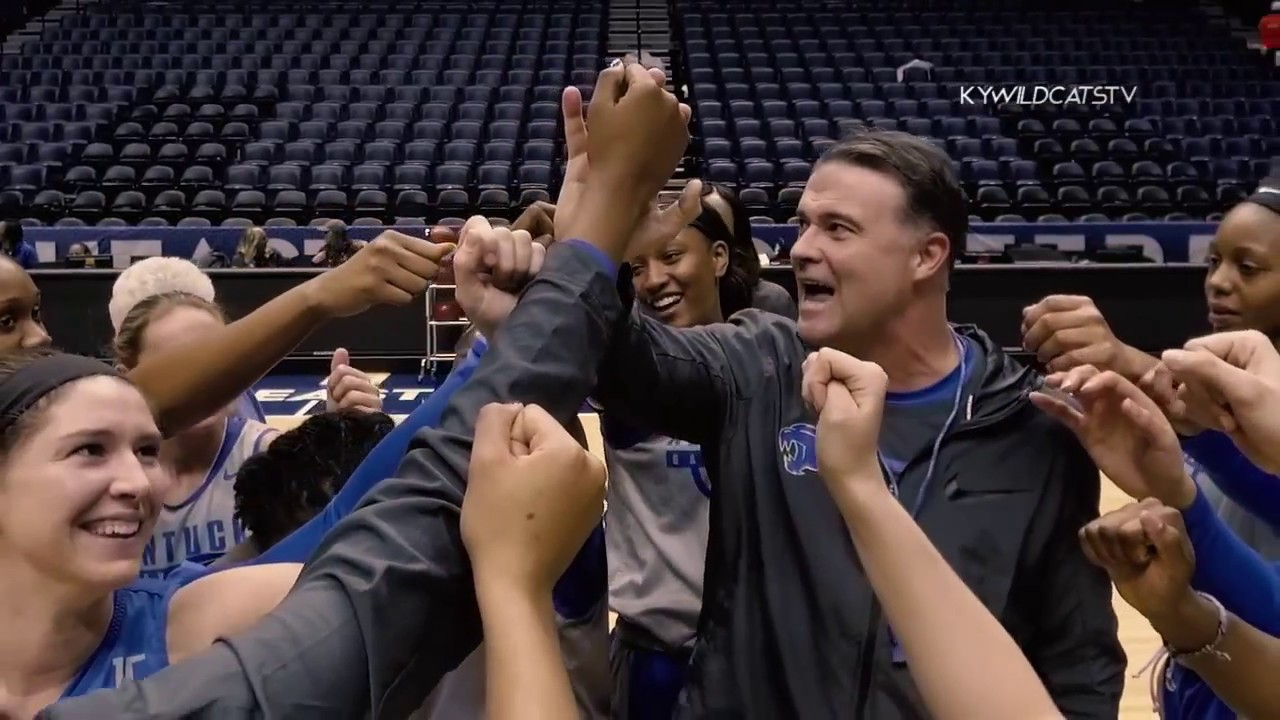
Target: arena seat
365, 100
773, 82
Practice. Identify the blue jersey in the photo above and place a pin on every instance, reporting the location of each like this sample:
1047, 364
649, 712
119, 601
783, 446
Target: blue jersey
135, 645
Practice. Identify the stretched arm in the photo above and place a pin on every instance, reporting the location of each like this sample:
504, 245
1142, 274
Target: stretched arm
224, 603
1076, 650
1251, 487
679, 382
191, 382
524, 670
1246, 681
962, 660
387, 605
1231, 571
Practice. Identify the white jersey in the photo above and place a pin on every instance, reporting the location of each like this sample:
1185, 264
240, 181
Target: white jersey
204, 527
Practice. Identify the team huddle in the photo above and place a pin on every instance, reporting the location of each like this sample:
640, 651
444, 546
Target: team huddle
837, 506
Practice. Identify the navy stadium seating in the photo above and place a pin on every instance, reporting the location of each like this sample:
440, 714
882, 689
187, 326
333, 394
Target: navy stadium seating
774, 82
148, 113
235, 111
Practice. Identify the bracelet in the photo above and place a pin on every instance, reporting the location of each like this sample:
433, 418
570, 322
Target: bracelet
1177, 656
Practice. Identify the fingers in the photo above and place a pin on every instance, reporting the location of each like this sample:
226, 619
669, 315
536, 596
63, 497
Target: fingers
340, 357
540, 432
1072, 380
1210, 371
676, 216
509, 257
350, 388
495, 428
813, 387
610, 87
1164, 529
1117, 541
1058, 409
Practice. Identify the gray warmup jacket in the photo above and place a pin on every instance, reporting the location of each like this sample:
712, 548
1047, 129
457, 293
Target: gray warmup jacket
790, 628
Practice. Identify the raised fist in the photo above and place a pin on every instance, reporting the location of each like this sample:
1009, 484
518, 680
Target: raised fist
492, 265
391, 270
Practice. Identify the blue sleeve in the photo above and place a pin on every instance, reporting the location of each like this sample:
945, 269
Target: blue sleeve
586, 582
1231, 571
248, 407
28, 258
1250, 487
381, 463
598, 255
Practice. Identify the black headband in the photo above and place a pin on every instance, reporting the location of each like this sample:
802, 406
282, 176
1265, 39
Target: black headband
711, 223
1267, 197
25, 387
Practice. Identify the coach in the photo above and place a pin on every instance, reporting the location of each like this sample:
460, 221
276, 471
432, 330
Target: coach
790, 627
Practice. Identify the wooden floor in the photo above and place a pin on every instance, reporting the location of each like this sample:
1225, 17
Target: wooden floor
1139, 641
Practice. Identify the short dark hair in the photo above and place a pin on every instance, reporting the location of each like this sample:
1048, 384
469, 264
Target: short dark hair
281, 488
934, 193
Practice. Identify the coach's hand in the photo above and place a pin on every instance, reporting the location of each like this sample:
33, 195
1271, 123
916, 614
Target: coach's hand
848, 396
347, 388
638, 135
533, 496
1067, 331
1232, 382
1144, 548
391, 270
491, 267
1124, 432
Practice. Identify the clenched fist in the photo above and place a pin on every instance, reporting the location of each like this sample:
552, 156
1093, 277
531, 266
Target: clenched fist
491, 267
848, 396
1067, 331
533, 496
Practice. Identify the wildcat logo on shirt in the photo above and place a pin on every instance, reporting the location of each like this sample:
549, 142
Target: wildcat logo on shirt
798, 445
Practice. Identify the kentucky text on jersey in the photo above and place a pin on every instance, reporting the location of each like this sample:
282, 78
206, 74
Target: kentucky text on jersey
683, 456
201, 544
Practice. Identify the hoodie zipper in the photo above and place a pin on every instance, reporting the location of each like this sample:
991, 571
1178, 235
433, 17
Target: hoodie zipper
871, 631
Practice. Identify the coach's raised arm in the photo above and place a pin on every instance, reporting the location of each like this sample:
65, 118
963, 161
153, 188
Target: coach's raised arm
387, 605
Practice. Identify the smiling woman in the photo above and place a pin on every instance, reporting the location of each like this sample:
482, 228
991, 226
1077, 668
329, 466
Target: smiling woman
81, 484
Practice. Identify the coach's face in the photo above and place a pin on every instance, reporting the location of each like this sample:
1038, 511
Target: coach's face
855, 257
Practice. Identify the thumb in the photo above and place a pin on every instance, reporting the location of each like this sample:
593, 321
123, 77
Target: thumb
469, 245
1211, 371
685, 210
538, 430
340, 357
1164, 537
495, 428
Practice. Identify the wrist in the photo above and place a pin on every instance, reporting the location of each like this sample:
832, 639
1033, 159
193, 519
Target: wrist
1133, 363
863, 492
315, 298
603, 219
1183, 495
1187, 624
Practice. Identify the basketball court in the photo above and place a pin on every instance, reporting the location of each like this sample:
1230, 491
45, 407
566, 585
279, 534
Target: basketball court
288, 399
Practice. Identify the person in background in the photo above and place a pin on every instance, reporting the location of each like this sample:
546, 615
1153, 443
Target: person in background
281, 488
80, 250
80, 488
1242, 290
191, 382
13, 245
163, 303
338, 247
255, 251
659, 489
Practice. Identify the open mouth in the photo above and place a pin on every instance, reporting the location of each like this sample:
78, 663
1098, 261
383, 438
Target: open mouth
113, 529
810, 290
665, 303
